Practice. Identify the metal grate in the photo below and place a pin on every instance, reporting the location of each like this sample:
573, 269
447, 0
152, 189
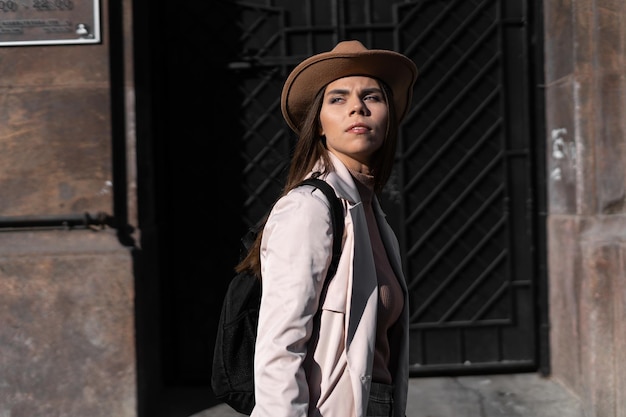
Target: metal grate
458, 209
461, 196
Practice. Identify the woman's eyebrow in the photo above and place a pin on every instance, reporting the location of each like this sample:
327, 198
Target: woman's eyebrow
338, 91
342, 91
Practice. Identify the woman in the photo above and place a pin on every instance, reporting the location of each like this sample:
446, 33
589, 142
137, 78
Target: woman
345, 106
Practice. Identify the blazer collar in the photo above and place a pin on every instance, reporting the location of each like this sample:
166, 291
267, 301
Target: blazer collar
341, 180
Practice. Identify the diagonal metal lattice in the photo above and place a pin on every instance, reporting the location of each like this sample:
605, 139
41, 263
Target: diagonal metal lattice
458, 197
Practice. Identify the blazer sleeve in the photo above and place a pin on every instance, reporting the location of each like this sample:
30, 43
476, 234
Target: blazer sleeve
296, 250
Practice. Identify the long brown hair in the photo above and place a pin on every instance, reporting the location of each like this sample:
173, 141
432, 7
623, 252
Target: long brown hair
311, 148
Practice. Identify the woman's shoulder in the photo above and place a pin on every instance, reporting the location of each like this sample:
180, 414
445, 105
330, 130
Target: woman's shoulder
304, 196
301, 212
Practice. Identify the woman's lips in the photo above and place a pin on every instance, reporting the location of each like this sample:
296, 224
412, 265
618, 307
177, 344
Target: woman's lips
358, 128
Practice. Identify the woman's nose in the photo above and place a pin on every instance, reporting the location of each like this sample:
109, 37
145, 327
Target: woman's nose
358, 107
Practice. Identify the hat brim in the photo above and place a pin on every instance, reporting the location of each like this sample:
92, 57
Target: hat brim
314, 73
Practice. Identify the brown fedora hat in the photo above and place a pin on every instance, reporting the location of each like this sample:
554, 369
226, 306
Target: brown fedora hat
348, 58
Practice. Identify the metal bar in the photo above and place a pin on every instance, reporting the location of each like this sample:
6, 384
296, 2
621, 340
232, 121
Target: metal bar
55, 222
482, 368
465, 324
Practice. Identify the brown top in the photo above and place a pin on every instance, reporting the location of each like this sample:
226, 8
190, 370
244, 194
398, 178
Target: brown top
390, 297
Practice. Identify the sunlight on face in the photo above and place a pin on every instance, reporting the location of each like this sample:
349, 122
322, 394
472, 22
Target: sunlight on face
354, 119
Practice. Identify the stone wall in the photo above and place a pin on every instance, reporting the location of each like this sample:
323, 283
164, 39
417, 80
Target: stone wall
66, 308
67, 344
585, 72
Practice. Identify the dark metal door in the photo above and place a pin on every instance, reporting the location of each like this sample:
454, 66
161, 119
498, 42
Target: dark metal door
462, 198
465, 197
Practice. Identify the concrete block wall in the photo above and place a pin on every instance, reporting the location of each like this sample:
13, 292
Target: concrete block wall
67, 338
585, 59
66, 308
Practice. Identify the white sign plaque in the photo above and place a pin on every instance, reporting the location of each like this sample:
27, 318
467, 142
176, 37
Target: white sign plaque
49, 22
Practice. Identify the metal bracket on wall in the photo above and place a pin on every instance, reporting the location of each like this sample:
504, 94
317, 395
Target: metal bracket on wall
72, 221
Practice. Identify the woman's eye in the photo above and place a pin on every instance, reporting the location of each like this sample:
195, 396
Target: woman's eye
336, 99
372, 98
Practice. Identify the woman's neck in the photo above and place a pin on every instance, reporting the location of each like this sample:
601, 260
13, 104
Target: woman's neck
353, 164
365, 185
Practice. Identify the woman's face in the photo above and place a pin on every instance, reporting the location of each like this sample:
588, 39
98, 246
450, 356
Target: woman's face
353, 119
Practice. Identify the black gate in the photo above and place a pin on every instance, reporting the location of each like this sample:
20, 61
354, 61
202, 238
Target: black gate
465, 198
462, 196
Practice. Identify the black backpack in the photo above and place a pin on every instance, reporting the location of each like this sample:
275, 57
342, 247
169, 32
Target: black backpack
232, 378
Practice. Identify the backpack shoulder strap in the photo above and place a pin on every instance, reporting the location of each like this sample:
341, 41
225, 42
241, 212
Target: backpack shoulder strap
337, 218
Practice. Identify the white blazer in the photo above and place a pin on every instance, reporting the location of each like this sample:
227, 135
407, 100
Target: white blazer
302, 369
